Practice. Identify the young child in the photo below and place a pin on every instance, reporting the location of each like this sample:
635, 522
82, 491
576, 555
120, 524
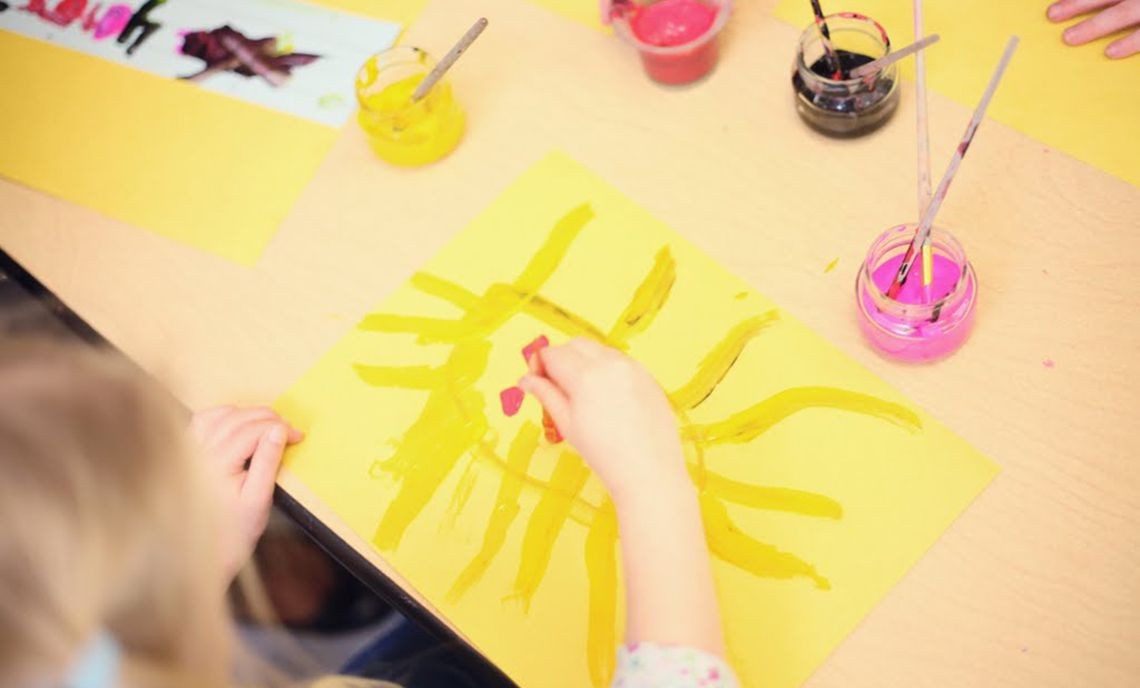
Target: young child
121, 535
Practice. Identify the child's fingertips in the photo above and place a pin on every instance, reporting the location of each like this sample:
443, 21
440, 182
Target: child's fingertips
276, 434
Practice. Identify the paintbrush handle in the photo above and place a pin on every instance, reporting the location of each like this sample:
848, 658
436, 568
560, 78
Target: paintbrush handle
888, 60
825, 35
927, 223
449, 59
922, 120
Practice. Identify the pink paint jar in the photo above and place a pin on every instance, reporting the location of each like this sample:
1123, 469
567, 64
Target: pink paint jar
921, 324
655, 27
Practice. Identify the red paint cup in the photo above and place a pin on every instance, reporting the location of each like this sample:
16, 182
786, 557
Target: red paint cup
675, 65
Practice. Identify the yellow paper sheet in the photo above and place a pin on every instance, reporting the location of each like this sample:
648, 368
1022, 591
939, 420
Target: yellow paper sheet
820, 485
1073, 99
103, 135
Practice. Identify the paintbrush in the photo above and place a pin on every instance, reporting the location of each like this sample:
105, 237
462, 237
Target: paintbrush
449, 59
888, 60
922, 234
922, 131
828, 50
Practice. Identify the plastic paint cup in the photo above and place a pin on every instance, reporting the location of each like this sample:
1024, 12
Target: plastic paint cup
400, 131
917, 326
675, 65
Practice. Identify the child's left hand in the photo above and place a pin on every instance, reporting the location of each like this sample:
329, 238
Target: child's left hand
244, 447
1108, 16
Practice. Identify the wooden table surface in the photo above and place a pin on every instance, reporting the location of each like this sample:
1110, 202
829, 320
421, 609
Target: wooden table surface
1036, 584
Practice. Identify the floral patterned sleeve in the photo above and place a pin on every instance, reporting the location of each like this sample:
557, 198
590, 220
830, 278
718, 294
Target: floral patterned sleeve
645, 665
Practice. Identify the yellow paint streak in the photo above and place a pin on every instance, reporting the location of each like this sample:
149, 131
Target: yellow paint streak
770, 498
547, 259
831, 266
506, 509
427, 454
546, 523
460, 496
445, 289
747, 425
500, 301
648, 299
601, 574
728, 542
564, 321
720, 360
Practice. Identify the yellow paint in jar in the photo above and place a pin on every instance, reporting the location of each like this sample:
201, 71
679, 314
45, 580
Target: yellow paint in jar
400, 131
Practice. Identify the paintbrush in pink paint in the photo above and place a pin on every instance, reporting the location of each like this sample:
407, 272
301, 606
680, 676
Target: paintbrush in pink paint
926, 224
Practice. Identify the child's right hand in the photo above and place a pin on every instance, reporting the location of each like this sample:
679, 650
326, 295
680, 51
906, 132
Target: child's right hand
614, 413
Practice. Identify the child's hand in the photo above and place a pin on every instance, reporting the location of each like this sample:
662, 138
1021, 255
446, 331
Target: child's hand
613, 412
1109, 17
243, 447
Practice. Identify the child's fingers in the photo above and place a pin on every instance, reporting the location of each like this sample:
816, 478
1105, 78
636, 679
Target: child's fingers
550, 396
203, 422
1103, 23
564, 365
232, 453
1067, 9
587, 347
1129, 45
257, 489
231, 423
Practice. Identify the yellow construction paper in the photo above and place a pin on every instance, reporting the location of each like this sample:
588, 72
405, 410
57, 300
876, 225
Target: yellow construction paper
820, 485
1072, 98
101, 135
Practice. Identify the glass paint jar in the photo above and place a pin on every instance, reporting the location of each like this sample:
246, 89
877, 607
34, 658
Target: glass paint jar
402, 132
844, 107
922, 323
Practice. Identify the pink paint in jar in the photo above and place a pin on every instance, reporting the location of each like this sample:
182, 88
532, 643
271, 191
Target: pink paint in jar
922, 323
677, 39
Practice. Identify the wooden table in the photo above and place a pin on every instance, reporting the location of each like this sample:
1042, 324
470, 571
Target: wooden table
1035, 585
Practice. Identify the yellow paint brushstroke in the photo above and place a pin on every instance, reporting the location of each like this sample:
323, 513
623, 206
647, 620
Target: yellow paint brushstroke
543, 264
747, 425
427, 454
445, 289
601, 575
720, 360
500, 301
831, 266
771, 498
546, 523
506, 509
728, 542
648, 299
460, 496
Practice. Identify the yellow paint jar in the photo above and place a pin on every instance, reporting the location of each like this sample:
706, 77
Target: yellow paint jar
400, 131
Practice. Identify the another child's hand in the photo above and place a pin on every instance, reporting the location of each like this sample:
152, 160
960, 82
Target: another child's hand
243, 447
613, 412
1109, 16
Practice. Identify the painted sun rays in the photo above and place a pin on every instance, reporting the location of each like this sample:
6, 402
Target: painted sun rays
453, 425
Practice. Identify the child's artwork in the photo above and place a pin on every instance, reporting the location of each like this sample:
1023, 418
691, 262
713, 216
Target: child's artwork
254, 91
819, 484
1067, 97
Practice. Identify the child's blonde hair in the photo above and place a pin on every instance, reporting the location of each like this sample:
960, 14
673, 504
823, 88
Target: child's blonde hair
107, 524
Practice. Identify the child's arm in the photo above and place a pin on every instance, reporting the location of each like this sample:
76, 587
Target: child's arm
614, 413
243, 447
